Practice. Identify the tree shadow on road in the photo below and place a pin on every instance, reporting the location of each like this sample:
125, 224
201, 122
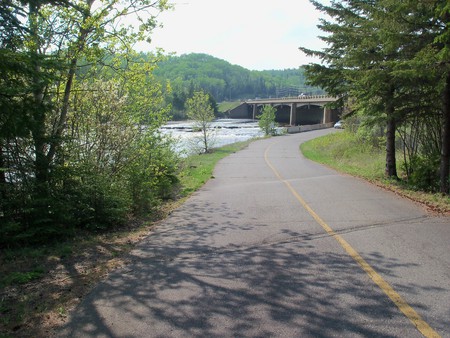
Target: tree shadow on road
184, 282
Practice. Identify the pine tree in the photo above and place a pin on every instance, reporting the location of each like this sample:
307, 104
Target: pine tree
383, 54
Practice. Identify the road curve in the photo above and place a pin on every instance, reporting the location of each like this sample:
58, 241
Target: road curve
278, 246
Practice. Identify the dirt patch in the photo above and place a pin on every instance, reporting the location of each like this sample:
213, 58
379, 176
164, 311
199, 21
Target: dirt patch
38, 307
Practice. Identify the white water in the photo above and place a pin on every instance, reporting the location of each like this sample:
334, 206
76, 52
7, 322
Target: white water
223, 132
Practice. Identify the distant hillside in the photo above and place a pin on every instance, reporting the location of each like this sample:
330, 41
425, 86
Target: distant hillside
224, 81
230, 82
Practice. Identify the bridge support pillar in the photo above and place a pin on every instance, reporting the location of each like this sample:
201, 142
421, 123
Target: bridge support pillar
326, 115
255, 109
293, 117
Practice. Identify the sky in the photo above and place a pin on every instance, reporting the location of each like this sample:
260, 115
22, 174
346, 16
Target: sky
255, 34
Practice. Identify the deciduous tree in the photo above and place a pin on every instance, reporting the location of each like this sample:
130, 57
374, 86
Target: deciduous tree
201, 112
52, 47
267, 120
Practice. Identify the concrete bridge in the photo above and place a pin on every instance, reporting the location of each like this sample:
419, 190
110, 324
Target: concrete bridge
299, 110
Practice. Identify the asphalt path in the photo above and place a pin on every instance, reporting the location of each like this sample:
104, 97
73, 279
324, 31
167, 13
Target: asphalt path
278, 246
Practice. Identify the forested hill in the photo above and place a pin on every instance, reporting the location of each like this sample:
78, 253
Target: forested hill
227, 82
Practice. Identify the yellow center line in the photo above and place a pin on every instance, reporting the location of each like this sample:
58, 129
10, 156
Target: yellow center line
402, 305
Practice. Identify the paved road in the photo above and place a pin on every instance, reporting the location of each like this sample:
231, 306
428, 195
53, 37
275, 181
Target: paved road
276, 246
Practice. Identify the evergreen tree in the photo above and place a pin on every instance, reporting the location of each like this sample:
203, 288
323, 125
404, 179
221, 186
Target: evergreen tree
382, 54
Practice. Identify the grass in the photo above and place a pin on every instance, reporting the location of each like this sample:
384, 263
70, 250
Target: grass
343, 152
228, 105
346, 153
39, 285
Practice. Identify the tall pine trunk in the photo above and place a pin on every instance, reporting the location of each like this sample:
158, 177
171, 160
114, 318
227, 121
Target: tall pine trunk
445, 152
391, 163
391, 126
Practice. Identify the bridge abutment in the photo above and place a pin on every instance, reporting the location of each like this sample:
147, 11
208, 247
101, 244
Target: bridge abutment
326, 115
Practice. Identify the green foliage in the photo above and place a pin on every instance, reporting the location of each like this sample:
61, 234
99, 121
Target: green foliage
383, 71
79, 147
425, 173
22, 277
152, 177
267, 120
366, 131
199, 110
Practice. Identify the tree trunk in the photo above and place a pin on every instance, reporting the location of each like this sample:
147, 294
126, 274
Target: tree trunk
205, 138
2, 180
61, 123
41, 164
445, 152
391, 163
2, 167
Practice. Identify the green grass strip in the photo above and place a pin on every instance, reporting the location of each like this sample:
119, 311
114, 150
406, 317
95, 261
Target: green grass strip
346, 153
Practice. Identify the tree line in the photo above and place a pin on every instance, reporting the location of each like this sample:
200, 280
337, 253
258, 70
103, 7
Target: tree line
389, 62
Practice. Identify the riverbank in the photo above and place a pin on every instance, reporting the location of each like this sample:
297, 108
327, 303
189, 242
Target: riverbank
40, 285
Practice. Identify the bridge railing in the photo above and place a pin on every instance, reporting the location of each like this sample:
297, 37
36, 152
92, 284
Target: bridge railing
299, 97
301, 129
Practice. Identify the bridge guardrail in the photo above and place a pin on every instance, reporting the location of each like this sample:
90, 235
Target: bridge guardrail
309, 127
290, 98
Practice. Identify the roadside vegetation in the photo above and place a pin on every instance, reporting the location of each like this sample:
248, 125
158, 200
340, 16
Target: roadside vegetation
388, 63
351, 153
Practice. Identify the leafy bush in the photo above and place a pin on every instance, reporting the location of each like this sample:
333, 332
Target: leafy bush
267, 120
425, 173
112, 164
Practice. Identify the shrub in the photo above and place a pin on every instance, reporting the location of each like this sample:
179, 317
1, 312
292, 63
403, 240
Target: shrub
425, 173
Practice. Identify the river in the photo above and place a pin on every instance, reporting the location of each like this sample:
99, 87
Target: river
223, 132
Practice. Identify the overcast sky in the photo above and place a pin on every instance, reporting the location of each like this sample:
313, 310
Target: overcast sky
255, 34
